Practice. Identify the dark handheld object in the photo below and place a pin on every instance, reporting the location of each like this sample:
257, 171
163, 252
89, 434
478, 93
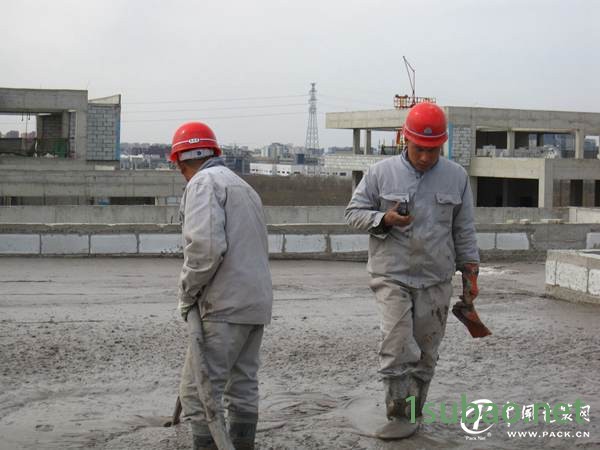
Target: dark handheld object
403, 209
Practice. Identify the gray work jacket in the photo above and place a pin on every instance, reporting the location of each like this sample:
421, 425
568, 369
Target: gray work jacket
225, 248
442, 235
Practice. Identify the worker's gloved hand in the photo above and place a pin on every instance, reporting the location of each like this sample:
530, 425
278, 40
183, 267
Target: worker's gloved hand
470, 272
184, 309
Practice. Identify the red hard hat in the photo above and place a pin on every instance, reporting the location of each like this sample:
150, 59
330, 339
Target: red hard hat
426, 125
191, 136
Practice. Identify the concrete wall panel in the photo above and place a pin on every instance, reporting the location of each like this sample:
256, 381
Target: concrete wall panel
593, 240
571, 276
594, 282
512, 241
160, 244
343, 243
486, 241
113, 244
20, 244
65, 244
275, 243
551, 271
305, 243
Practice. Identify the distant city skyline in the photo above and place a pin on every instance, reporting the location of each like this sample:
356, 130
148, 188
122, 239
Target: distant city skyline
246, 68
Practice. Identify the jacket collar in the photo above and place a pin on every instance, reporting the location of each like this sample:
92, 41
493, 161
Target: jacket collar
212, 162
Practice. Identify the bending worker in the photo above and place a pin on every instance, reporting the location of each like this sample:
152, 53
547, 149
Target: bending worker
418, 209
226, 273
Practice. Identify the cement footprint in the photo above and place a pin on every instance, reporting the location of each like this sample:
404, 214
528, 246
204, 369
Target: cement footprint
293, 405
366, 414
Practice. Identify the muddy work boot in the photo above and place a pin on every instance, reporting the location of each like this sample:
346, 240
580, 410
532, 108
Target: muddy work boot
242, 429
203, 442
419, 390
397, 410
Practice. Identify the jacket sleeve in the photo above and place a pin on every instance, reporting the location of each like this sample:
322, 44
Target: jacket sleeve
204, 240
363, 210
463, 229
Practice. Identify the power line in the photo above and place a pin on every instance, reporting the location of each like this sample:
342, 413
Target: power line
211, 109
356, 101
230, 99
215, 117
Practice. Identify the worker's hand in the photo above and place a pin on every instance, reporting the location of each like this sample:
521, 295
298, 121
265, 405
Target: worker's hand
470, 272
392, 218
184, 309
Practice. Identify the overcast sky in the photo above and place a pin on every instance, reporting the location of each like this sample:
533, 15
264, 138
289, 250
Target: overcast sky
171, 59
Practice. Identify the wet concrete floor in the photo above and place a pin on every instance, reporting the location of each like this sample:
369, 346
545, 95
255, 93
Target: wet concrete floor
92, 348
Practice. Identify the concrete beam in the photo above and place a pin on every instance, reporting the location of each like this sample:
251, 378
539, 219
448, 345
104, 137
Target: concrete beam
523, 119
386, 120
575, 169
529, 168
42, 100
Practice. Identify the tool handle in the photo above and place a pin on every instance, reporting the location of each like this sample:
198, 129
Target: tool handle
214, 414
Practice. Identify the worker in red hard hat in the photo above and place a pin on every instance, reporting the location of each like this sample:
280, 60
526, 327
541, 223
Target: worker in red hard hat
418, 209
226, 274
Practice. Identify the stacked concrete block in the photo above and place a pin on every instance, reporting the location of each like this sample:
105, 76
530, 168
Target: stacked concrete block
462, 144
102, 130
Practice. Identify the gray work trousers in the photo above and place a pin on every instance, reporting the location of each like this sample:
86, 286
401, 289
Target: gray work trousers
413, 322
232, 356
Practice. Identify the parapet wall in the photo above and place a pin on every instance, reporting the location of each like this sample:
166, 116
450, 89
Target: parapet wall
312, 241
117, 214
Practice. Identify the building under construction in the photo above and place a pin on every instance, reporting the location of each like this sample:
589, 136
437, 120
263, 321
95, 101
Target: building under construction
505, 152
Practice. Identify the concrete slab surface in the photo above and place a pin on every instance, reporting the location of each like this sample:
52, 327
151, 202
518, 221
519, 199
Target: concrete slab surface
92, 349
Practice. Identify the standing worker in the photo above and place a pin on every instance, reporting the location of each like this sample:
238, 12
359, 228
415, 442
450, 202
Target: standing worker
226, 273
418, 209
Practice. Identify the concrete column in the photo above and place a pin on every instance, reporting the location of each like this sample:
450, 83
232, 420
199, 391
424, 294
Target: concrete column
473, 183
588, 200
356, 177
80, 135
64, 132
510, 142
356, 141
546, 185
579, 139
368, 142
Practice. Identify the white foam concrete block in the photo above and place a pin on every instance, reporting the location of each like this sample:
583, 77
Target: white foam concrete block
111, 244
571, 276
551, 271
486, 241
593, 240
345, 243
512, 241
304, 243
159, 243
19, 244
65, 244
594, 282
275, 243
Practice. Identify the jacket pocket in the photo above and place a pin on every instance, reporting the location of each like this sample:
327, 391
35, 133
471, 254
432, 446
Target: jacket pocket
386, 201
445, 206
